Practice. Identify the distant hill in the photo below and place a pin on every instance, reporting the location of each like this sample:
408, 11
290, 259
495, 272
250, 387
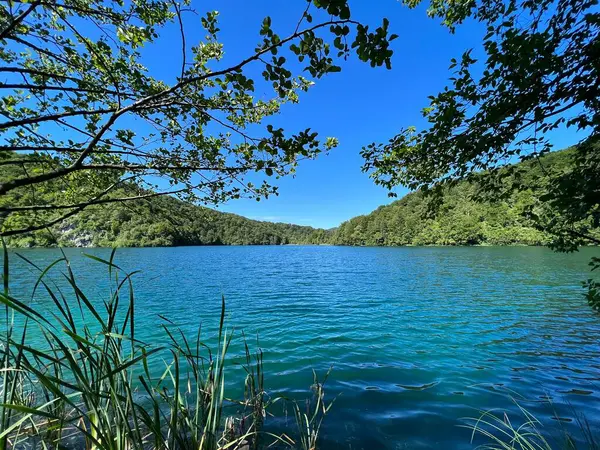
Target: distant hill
460, 220
160, 221
165, 221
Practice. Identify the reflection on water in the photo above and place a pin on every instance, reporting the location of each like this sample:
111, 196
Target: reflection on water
418, 337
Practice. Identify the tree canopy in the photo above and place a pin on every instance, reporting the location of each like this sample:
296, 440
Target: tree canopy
541, 71
459, 217
77, 99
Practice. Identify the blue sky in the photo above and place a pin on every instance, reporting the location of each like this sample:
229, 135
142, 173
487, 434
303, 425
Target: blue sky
360, 105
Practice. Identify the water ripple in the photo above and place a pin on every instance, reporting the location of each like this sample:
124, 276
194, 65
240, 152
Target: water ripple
418, 337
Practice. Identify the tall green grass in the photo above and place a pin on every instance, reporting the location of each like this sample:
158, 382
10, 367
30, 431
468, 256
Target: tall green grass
89, 382
526, 432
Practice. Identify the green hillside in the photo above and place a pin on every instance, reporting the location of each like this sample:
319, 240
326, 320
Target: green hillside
165, 221
159, 221
461, 220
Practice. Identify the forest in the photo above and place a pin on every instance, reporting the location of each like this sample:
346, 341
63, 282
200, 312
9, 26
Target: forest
161, 221
463, 214
459, 217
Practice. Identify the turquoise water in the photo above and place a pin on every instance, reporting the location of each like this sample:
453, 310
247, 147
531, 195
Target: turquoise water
418, 337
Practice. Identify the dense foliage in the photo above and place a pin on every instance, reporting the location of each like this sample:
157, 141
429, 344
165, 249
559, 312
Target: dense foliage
460, 217
461, 221
78, 95
522, 217
539, 71
163, 221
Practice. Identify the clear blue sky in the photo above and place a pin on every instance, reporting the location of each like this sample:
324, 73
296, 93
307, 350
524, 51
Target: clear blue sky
360, 105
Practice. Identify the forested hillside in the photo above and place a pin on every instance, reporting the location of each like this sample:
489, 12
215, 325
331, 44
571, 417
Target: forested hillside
164, 221
461, 220
156, 221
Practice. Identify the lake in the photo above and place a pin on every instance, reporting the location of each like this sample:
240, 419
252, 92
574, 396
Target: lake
418, 337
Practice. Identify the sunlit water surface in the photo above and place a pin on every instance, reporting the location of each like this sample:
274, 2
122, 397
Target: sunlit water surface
418, 338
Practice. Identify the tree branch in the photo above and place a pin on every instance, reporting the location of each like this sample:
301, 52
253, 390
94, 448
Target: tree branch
10, 185
58, 219
41, 87
43, 51
40, 73
38, 119
15, 23
88, 203
584, 236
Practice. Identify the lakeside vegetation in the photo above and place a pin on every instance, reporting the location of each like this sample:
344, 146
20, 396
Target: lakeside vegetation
464, 214
460, 218
92, 383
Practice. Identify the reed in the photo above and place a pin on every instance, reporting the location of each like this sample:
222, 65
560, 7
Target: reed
310, 419
90, 382
527, 432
